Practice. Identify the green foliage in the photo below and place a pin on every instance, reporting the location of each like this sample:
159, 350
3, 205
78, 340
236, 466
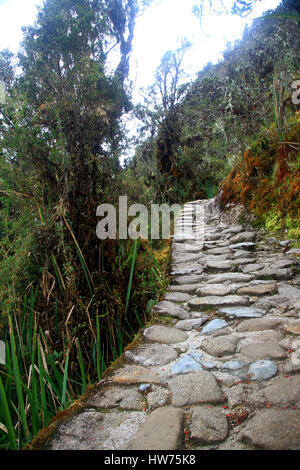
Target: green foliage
226, 107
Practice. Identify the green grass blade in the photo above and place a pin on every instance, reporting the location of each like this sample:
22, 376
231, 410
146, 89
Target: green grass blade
7, 418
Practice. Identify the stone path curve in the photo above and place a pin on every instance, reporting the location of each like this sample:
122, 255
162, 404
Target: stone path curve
223, 369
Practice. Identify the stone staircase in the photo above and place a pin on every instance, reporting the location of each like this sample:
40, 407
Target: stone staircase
220, 369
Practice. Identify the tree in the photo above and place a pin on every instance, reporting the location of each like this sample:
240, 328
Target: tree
60, 137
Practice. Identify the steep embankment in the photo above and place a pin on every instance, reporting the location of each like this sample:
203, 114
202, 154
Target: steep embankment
267, 180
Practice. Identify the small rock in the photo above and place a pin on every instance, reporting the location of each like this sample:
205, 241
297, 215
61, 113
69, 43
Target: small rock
262, 370
189, 363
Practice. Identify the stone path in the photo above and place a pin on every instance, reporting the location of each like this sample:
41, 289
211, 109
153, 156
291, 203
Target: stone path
221, 370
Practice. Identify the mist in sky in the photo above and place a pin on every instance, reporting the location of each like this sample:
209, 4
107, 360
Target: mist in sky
162, 27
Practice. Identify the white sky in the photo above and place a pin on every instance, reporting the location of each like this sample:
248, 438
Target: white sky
161, 28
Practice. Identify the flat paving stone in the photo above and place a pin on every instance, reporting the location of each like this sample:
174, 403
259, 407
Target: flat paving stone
252, 267
290, 292
189, 363
186, 288
172, 309
220, 346
259, 324
259, 289
164, 334
127, 398
277, 274
189, 325
214, 325
208, 425
241, 254
184, 269
214, 289
218, 265
233, 277
273, 430
262, 370
189, 279
218, 251
293, 328
148, 355
195, 388
158, 397
162, 430
242, 312
134, 375
243, 237
242, 246
177, 297
283, 390
263, 350
214, 300
91, 430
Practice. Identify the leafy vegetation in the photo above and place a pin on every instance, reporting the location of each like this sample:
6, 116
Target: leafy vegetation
223, 111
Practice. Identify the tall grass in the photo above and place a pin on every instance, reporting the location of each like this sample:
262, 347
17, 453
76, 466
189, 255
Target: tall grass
37, 381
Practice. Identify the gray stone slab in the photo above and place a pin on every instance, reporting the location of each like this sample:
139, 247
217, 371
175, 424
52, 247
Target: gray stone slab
149, 355
242, 246
242, 312
259, 289
158, 397
209, 425
189, 279
233, 277
127, 398
134, 375
214, 325
283, 391
262, 370
259, 324
163, 430
164, 334
216, 301
214, 289
187, 288
219, 265
263, 350
195, 388
220, 346
189, 325
91, 430
290, 292
252, 267
177, 297
172, 309
273, 430
188, 363
278, 274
